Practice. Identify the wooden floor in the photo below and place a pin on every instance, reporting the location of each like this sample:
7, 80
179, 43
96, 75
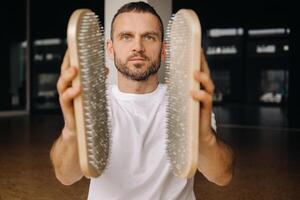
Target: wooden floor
267, 163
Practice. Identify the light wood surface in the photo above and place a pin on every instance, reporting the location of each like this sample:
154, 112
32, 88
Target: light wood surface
72, 35
183, 58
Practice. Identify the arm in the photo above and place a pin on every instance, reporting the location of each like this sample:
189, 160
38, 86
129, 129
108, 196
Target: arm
215, 157
64, 152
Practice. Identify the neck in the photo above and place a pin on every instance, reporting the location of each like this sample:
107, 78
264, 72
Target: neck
138, 87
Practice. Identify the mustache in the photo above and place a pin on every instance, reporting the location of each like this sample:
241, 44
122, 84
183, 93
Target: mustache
135, 54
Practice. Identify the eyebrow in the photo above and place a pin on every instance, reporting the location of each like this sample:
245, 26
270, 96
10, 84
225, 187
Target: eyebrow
125, 33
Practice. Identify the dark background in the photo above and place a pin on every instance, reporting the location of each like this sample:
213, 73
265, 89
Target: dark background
48, 19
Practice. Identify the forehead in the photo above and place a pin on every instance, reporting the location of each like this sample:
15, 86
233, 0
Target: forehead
136, 22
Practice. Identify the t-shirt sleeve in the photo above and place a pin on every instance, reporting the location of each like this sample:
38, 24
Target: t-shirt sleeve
213, 122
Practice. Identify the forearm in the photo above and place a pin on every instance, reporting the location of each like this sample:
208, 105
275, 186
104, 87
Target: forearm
215, 160
64, 156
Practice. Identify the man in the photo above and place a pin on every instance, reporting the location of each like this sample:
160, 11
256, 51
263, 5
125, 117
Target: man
138, 167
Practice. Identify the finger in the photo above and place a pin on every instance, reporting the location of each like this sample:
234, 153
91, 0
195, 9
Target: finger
66, 62
65, 79
205, 106
69, 94
66, 102
204, 65
203, 97
205, 80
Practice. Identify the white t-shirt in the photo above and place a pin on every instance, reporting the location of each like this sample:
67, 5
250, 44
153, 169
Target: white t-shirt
138, 168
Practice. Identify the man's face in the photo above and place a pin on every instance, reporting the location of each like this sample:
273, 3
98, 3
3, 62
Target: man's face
137, 45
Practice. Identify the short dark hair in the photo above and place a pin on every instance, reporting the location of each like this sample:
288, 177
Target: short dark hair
139, 7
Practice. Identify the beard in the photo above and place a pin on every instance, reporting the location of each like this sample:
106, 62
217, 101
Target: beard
138, 74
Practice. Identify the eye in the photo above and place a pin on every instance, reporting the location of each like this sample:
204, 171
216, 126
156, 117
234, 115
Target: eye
125, 37
149, 38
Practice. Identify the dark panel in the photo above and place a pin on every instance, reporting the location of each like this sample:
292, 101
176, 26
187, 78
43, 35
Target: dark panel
49, 20
12, 32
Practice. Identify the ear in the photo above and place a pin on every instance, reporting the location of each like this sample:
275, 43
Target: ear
110, 49
163, 51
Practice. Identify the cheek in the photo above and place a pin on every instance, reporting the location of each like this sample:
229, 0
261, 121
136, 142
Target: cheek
156, 52
120, 52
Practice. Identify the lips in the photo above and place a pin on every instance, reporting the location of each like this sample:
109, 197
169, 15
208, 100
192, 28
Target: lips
137, 59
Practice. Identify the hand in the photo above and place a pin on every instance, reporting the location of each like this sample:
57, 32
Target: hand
67, 93
205, 97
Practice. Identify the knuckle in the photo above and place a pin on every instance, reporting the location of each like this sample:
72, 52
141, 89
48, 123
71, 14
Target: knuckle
207, 97
64, 76
58, 85
205, 77
63, 98
201, 94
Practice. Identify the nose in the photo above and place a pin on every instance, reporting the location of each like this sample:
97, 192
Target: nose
138, 45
